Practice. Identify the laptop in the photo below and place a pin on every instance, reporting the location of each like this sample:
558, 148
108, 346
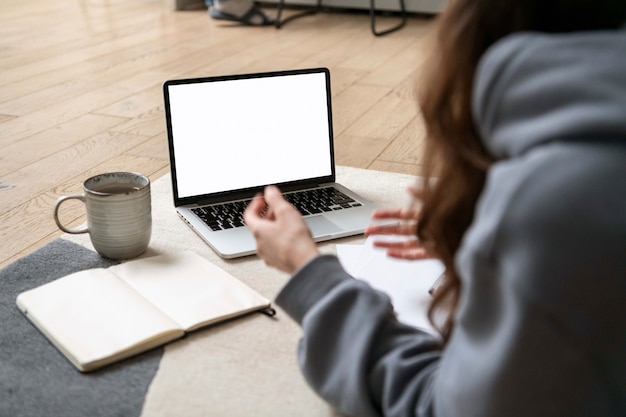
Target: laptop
230, 136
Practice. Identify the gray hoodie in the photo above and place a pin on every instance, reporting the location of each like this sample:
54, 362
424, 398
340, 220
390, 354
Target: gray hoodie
541, 324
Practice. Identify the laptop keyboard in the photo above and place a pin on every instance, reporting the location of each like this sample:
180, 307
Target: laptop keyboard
318, 200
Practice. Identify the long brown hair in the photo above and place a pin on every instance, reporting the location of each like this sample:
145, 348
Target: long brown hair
454, 153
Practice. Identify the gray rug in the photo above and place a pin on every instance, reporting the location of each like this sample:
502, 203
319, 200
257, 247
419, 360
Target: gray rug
35, 378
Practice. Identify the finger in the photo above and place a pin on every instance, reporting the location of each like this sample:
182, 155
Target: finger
406, 213
409, 254
386, 214
275, 200
407, 245
254, 210
268, 214
278, 205
256, 205
270, 197
273, 195
404, 229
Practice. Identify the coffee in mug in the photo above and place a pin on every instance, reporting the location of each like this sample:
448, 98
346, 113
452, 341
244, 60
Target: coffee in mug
119, 213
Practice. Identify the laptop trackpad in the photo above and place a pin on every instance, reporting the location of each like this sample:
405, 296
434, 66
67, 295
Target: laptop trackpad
321, 226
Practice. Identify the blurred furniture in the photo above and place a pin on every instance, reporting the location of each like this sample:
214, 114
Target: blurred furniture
372, 11
397, 7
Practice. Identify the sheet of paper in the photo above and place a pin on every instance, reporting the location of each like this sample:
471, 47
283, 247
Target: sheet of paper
406, 282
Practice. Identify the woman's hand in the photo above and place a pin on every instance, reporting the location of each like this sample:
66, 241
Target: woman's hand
404, 231
283, 239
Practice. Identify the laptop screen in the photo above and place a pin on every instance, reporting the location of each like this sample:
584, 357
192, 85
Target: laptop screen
230, 133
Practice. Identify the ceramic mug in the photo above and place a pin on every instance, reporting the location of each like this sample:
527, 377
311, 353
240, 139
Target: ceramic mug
119, 213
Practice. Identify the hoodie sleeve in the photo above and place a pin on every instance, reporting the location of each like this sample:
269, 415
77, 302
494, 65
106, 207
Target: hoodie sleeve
355, 353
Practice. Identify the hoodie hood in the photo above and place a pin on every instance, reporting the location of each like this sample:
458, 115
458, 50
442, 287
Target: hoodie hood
534, 88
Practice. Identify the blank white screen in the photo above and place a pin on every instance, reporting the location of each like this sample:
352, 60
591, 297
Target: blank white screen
236, 134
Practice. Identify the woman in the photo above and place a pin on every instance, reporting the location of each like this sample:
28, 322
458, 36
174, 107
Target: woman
525, 109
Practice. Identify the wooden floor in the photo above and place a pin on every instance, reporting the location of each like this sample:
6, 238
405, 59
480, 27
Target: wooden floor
80, 93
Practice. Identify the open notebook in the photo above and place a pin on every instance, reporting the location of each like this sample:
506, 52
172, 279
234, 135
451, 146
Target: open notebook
99, 316
230, 136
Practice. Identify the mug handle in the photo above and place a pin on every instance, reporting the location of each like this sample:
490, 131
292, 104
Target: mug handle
56, 213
